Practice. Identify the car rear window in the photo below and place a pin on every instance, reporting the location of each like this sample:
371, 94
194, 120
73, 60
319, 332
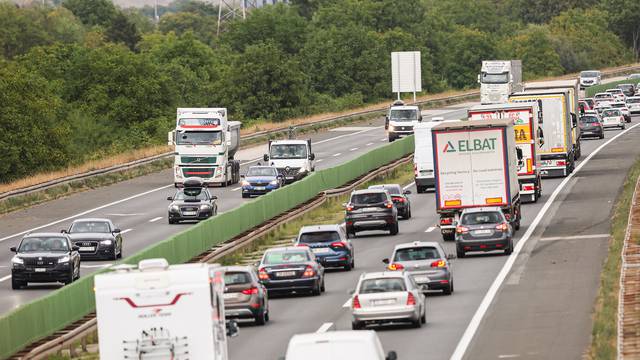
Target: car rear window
380, 285
618, 105
416, 253
484, 217
319, 237
368, 198
236, 278
391, 189
633, 100
611, 113
285, 257
588, 119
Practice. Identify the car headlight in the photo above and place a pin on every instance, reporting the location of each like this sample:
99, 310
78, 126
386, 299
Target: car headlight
174, 208
106, 242
392, 128
273, 182
17, 260
64, 259
244, 183
205, 207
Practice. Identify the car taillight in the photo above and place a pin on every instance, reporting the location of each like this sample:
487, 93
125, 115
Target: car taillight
439, 264
446, 221
561, 163
528, 187
309, 272
462, 230
262, 275
411, 300
507, 216
389, 205
395, 267
302, 245
398, 199
250, 291
503, 226
338, 244
355, 303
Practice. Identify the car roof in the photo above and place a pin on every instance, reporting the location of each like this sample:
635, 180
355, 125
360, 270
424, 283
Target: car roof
285, 142
416, 244
368, 191
91, 219
613, 90
287, 248
404, 107
314, 228
481, 209
237, 268
602, 93
382, 274
590, 112
46, 234
385, 186
329, 336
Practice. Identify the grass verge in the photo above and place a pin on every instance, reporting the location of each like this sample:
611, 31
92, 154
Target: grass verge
605, 318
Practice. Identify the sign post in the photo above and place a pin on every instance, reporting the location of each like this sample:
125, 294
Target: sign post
406, 73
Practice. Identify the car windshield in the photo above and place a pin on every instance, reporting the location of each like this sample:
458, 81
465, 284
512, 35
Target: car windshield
403, 114
501, 78
634, 76
614, 91
603, 96
588, 119
90, 227
236, 278
285, 257
289, 151
368, 198
381, 285
625, 87
633, 100
41, 244
479, 218
391, 189
416, 253
319, 237
611, 113
191, 194
199, 138
589, 74
262, 171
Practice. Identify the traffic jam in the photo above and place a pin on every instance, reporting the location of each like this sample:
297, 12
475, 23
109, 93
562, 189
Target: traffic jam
480, 170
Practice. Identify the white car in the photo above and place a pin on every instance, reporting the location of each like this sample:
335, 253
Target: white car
618, 95
612, 118
633, 103
622, 106
590, 78
338, 345
600, 97
387, 297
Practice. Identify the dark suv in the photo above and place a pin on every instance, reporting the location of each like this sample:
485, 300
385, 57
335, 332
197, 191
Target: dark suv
244, 296
44, 257
329, 243
371, 209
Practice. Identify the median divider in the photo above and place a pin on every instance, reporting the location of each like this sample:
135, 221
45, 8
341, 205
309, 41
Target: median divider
71, 303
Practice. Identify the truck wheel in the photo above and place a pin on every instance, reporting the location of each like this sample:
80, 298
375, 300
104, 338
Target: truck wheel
420, 189
244, 196
391, 138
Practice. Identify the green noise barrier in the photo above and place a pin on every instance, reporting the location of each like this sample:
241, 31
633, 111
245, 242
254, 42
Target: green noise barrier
70, 303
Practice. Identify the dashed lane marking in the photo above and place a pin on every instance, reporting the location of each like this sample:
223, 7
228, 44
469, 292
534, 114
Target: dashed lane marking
325, 327
155, 219
5, 278
337, 154
430, 229
125, 231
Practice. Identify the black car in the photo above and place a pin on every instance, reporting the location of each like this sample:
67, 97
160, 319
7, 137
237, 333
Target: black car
483, 229
371, 209
44, 257
399, 198
193, 202
291, 269
590, 125
329, 243
96, 238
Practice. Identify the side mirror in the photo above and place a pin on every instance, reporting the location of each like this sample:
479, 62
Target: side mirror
385, 261
242, 176
478, 78
13, 249
450, 256
232, 328
213, 197
392, 355
265, 157
312, 156
407, 192
116, 230
293, 241
63, 231
170, 198
75, 248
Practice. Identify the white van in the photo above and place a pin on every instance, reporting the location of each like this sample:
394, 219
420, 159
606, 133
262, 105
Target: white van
423, 155
338, 345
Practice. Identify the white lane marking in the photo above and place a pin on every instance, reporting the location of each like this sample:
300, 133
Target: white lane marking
324, 327
120, 214
347, 304
430, 229
383, 139
353, 149
82, 266
319, 160
125, 231
409, 185
369, 144
155, 219
5, 278
250, 161
86, 212
236, 189
575, 237
508, 356
337, 154
474, 324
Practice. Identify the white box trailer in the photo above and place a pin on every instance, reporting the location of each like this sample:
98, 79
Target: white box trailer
159, 311
526, 118
475, 166
557, 153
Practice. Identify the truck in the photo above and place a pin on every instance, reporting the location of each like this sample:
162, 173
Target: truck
157, 311
475, 166
573, 85
527, 121
423, 155
293, 158
401, 119
557, 156
205, 144
498, 79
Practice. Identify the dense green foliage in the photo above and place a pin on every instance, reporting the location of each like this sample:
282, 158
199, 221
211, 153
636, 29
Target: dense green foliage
84, 79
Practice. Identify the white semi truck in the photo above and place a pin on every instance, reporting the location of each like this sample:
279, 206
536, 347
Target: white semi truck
157, 311
476, 165
498, 79
557, 156
293, 158
401, 119
205, 144
527, 119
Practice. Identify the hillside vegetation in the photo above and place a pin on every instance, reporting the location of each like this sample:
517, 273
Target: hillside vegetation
84, 79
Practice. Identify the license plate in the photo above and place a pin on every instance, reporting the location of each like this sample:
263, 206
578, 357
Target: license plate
421, 279
289, 177
40, 270
546, 162
285, 273
259, 187
189, 213
230, 296
370, 209
482, 232
87, 248
321, 251
384, 302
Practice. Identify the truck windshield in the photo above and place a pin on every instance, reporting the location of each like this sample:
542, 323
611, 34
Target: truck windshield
289, 151
501, 78
403, 115
589, 74
199, 138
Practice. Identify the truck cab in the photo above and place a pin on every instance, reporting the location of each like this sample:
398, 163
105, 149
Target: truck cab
498, 79
293, 158
401, 119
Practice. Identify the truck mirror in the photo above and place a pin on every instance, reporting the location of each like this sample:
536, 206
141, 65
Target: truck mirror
171, 138
386, 122
420, 118
265, 157
574, 120
312, 156
519, 154
13, 249
63, 231
385, 261
170, 198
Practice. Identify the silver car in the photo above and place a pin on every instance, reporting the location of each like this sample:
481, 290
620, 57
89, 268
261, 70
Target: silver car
387, 297
426, 262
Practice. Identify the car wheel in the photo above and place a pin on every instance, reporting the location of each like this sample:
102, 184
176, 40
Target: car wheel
394, 230
602, 136
261, 318
517, 225
171, 221
17, 285
460, 253
349, 266
316, 290
509, 248
420, 189
244, 196
623, 126
70, 278
322, 289
417, 323
353, 262
423, 318
408, 213
114, 254
356, 325
120, 253
449, 289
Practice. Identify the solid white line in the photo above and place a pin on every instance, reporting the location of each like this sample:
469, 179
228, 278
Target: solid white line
5, 278
319, 160
236, 189
125, 231
353, 149
347, 304
324, 327
508, 356
94, 266
575, 237
383, 139
430, 229
474, 324
337, 154
409, 185
85, 212
155, 219
369, 144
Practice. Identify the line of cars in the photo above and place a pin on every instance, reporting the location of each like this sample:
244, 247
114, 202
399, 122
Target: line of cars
610, 109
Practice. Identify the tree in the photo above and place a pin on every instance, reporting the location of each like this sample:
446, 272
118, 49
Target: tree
541, 11
534, 47
121, 30
21, 30
92, 12
204, 28
467, 49
624, 20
